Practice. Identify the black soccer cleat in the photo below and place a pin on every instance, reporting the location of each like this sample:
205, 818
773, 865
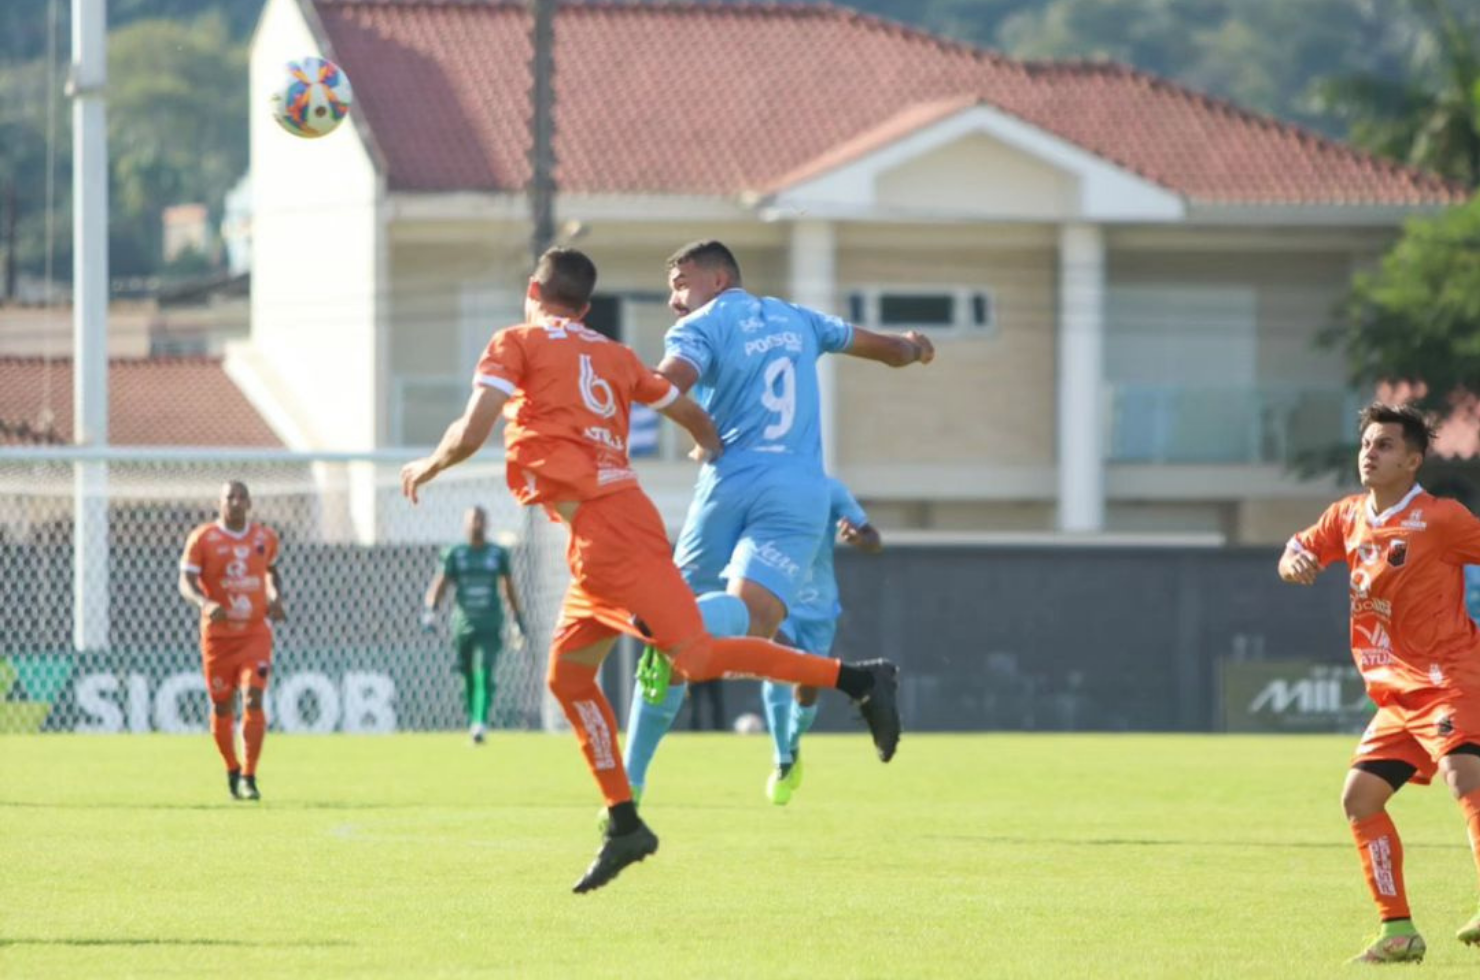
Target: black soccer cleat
234, 783
615, 854
248, 790
880, 706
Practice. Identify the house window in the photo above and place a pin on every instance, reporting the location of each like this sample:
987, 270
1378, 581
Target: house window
959, 310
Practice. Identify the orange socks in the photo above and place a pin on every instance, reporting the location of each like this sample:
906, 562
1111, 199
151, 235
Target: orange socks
254, 730
749, 656
223, 730
1470, 806
1382, 862
590, 714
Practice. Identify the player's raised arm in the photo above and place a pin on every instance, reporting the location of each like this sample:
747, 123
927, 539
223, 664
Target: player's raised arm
462, 439
893, 349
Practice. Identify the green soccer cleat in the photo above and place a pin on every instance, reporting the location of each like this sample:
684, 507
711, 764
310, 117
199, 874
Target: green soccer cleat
785, 780
654, 672
1393, 949
1469, 933
604, 819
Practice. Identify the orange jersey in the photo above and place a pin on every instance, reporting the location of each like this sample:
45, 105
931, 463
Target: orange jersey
1410, 632
233, 572
572, 388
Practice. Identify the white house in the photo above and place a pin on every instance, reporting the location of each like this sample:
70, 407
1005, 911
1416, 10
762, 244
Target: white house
1125, 276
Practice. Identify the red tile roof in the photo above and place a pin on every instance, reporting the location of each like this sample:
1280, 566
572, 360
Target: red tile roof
724, 99
173, 401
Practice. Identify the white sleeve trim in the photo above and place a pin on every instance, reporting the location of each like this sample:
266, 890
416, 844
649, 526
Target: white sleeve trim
185, 566
688, 360
666, 400
1294, 545
494, 381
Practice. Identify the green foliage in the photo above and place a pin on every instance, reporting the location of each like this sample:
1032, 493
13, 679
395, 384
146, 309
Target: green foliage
1417, 316
176, 123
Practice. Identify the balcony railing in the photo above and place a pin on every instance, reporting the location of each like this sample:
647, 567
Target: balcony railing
1203, 424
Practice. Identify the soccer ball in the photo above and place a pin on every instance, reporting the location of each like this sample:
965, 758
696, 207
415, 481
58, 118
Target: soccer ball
312, 98
749, 723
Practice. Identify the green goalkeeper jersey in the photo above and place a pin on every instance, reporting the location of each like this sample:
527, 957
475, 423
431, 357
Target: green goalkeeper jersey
474, 574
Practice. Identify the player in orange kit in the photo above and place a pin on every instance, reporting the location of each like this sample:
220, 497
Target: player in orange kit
1418, 651
566, 449
229, 570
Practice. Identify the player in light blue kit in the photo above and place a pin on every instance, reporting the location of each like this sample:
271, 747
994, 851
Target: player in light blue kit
811, 625
760, 512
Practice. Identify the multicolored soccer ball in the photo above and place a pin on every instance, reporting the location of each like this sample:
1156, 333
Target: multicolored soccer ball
313, 97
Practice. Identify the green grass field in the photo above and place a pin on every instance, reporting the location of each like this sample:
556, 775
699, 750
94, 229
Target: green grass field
968, 856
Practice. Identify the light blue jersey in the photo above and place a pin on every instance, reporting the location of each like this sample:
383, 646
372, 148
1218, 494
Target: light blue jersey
759, 512
757, 364
812, 621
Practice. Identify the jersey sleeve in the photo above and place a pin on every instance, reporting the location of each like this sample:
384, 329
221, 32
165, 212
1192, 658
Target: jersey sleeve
503, 363
834, 334
846, 506
193, 558
1461, 536
1323, 539
689, 340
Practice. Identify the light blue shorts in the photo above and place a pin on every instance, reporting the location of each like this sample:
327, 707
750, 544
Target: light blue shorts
814, 636
762, 523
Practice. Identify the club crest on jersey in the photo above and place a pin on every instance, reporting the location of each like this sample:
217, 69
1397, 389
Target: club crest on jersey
1397, 552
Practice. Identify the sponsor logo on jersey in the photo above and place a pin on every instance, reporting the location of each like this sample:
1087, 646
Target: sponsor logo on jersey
792, 342
1415, 520
1378, 607
604, 436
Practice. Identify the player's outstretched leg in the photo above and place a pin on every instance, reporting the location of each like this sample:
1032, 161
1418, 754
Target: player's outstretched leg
618, 850
872, 685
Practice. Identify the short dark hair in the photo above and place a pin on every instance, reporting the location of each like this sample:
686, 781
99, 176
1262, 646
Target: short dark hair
567, 278
1417, 432
709, 254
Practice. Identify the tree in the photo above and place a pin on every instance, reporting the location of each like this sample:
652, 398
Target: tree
1416, 318
1429, 117
177, 133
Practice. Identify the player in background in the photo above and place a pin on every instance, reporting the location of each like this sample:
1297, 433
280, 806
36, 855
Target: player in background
479, 571
811, 626
1417, 650
566, 449
229, 571
759, 512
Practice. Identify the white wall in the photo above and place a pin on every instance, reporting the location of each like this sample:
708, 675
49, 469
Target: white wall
317, 258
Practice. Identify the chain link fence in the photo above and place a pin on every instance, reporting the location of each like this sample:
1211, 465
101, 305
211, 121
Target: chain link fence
94, 636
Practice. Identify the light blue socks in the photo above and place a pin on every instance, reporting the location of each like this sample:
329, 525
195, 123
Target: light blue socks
724, 615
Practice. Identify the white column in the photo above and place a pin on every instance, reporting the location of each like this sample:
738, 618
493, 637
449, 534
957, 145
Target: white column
89, 322
813, 268
1081, 377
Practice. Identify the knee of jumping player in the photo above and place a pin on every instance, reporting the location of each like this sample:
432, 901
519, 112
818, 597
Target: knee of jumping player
767, 611
693, 659
224, 708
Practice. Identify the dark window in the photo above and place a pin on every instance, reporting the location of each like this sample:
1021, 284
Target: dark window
933, 310
605, 316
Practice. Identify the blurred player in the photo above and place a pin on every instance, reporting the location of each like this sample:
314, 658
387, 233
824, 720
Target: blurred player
1419, 653
811, 626
760, 511
229, 570
478, 570
566, 449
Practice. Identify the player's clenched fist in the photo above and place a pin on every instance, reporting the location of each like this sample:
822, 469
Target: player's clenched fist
924, 349
1299, 568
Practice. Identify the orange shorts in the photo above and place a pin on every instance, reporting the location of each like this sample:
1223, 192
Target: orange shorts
236, 662
621, 565
1421, 730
